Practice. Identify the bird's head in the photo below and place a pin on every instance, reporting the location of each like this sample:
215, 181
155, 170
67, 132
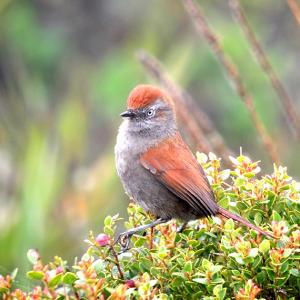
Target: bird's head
149, 108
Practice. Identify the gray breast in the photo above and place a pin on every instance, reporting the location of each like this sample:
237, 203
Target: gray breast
142, 186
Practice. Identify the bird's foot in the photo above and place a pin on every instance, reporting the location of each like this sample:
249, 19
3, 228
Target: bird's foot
124, 237
124, 240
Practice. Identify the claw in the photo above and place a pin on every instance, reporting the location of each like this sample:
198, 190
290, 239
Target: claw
124, 237
124, 240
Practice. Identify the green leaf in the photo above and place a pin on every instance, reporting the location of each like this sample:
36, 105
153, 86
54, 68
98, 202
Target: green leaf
4, 289
224, 202
283, 280
163, 297
179, 274
287, 252
108, 221
56, 280
215, 269
225, 174
155, 271
276, 216
139, 242
284, 267
225, 241
261, 277
240, 182
256, 262
100, 264
242, 206
69, 278
264, 246
285, 187
206, 264
270, 272
177, 282
219, 292
295, 272
258, 218
249, 174
162, 253
201, 157
200, 280
253, 252
109, 231
145, 264
237, 257
36, 275
218, 280
236, 272
229, 225
188, 267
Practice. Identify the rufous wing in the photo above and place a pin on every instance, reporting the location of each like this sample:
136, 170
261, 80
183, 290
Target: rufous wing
173, 164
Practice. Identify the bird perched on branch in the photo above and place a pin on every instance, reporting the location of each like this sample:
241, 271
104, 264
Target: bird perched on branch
157, 169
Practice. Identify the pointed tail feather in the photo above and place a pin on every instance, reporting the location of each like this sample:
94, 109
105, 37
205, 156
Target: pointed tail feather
227, 214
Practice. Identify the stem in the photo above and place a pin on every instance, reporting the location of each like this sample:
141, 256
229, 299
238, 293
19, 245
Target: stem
151, 238
116, 261
208, 34
295, 9
76, 295
291, 114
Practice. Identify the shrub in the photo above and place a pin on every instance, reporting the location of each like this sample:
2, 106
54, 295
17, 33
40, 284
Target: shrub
211, 259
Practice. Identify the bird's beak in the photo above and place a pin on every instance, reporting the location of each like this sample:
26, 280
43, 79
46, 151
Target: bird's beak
128, 114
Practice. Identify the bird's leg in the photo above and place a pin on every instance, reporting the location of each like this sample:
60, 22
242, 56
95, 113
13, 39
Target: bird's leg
124, 237
181, 227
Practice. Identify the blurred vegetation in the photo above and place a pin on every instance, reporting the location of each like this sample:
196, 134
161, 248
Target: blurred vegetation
210, 259
66, 69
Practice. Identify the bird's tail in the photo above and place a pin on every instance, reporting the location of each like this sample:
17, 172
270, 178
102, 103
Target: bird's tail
227, 214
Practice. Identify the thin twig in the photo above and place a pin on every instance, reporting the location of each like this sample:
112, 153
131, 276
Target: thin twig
117, 262
197, 126
210, 131
204, 29
76, 294
151, 238
295, 9
292, 117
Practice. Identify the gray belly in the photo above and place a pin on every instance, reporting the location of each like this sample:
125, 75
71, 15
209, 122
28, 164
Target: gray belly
148, 192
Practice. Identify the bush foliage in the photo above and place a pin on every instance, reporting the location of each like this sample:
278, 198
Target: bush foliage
211, 259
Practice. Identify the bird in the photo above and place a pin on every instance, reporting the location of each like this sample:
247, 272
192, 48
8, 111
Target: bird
157, 168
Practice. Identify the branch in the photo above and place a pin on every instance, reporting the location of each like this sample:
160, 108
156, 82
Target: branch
291, 115
208, 34
294, 7
186, 108
117, 262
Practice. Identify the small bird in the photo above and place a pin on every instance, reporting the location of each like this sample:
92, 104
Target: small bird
157, 169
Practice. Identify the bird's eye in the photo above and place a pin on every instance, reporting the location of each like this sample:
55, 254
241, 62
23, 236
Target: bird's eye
150, 112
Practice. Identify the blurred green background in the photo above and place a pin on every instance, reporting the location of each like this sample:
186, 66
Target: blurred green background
66, 68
